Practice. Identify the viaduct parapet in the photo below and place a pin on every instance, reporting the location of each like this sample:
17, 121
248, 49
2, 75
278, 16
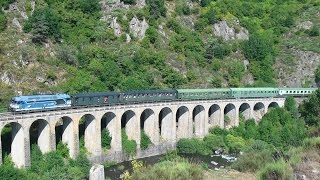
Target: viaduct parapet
164, 122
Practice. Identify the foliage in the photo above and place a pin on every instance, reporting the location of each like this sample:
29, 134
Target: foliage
317, 75
277, 170
156, 8
279, 128
164, 170
5, 3
214, 142
310, 109
314, 31
129, 146
44, 23
62, 150
192, 146
129, 1
3, 22
106, 139
234, 143
290, 106
255, 156
145, 140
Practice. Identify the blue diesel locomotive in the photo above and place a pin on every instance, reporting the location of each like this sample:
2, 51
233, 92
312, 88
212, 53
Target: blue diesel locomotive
39, 102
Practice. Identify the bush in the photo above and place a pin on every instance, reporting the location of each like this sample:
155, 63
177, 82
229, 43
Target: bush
106, 139
42, 24
235, 144
156, 8
3, 22
214, 142
314, 31
145, 140
192, 146
169, 170
310, 109
312, 143
129, 146
253, 160
277, 170
62, 150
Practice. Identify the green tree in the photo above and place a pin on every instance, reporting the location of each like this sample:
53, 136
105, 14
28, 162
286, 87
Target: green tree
106, 139
258, 47
290, 105
310, 109
156, 8
3, 22
317, 75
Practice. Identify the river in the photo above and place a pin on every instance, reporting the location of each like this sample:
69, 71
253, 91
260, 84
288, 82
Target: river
210, 161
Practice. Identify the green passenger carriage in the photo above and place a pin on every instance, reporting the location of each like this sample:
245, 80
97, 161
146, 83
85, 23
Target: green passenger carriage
147, 96
296, 92
193, 94
254, 92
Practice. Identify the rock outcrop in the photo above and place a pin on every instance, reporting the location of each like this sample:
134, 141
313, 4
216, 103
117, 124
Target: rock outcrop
138, 28
222, 29
116, 26
302, 69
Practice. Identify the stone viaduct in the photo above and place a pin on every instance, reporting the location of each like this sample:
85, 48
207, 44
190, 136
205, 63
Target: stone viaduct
164, 122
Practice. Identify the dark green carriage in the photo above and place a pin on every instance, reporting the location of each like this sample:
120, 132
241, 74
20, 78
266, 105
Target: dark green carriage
95, 99
193, 94
254, 92
147, 96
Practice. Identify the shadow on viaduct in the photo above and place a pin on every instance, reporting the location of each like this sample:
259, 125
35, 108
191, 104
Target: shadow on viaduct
165, 123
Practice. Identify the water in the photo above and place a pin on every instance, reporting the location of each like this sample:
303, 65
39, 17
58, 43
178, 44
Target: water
210, 161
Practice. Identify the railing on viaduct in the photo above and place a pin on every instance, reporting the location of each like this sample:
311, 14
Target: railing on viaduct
163, 122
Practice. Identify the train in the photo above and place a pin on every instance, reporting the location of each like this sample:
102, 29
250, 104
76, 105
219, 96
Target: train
65, 101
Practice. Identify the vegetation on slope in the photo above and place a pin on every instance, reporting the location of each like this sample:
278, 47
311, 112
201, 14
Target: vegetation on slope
66, 47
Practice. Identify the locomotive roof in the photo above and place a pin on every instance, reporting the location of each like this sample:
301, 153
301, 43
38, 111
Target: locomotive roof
41, 97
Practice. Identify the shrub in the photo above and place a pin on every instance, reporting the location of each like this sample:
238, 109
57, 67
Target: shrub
89, 6
314, 31
62, 150
3, 22
145, 140
192, 146
312, 143
214, 142
129, 1
106, 139
277, 170
156, 8
129, 146
169, 170
253, 160
42, 24
258, 47
234, 143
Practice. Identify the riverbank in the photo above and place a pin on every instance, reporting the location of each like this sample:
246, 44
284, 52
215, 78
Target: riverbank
227, 174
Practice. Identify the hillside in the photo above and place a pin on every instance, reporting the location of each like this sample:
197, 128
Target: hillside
91, 45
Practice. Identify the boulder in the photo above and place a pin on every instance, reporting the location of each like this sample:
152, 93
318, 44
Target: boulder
138, 28
222, 29
97, 172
